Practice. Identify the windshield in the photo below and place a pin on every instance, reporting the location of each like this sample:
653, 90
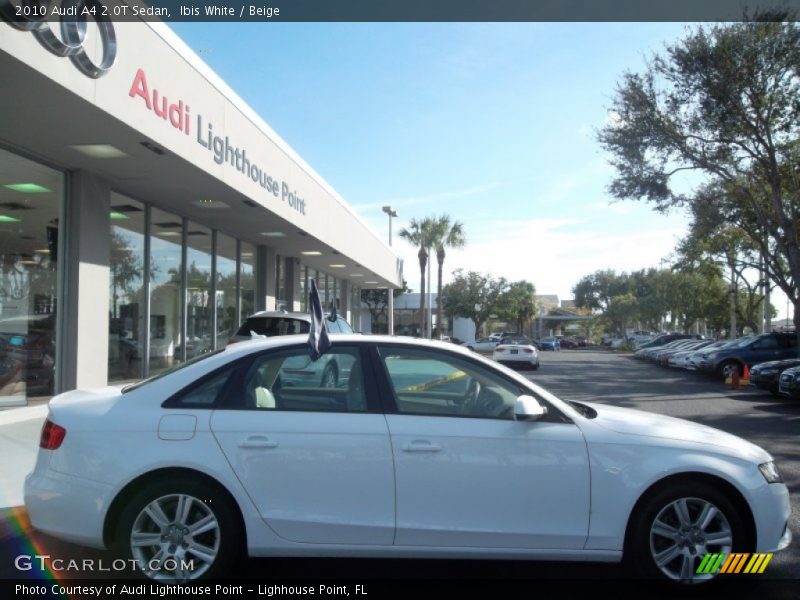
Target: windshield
134, 386
521, 341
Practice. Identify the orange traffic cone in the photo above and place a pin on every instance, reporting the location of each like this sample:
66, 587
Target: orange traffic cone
746, 377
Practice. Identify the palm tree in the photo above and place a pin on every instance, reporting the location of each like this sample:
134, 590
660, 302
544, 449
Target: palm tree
445, 234
419, 233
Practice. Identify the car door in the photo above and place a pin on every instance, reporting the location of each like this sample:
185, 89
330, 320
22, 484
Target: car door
316, 461
467, 472
764, 349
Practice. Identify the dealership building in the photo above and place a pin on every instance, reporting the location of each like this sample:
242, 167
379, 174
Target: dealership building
145, 210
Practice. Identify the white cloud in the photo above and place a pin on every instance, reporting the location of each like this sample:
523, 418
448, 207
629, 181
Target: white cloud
551, 253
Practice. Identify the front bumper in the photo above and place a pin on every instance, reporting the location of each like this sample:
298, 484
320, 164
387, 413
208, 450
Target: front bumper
771, 511
67, 507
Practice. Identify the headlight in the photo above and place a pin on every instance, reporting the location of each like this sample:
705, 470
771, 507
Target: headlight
766, 371
770, 472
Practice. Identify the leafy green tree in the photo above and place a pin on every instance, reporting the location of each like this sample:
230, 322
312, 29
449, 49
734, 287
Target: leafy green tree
421, 234
721, 102
377, 301
473, 295
445, 234
595, 291
621, 310
517, 304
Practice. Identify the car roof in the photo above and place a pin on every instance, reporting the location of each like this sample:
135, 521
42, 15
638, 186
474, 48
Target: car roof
302, 316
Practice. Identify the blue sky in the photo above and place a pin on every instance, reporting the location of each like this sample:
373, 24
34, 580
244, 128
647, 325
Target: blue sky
491, 123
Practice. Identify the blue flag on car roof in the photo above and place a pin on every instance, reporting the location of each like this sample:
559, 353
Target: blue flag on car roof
318, 340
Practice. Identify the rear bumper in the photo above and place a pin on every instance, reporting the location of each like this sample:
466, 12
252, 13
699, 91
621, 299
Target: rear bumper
67, 507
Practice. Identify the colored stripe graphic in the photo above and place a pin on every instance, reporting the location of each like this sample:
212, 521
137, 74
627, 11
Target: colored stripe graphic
734, 563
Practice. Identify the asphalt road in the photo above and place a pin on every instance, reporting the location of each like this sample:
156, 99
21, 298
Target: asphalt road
585, 375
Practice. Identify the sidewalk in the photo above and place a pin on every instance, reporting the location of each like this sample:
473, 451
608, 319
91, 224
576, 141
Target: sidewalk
19, 441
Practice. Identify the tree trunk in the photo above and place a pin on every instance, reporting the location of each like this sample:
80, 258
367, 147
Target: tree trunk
423, 260
440, 258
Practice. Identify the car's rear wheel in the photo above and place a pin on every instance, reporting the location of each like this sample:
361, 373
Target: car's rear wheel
677, 526
180, 530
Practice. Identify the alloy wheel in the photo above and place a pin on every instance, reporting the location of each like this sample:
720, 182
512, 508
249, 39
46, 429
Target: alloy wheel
683, 532
175, 537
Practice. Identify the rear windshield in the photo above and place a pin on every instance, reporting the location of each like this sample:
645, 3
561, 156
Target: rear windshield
133, 386
270, 326
521, 341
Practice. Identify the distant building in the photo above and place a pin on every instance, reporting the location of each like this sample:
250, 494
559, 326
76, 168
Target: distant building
546, 302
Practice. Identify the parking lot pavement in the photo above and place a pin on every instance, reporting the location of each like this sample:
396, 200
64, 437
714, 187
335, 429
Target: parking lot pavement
605, 377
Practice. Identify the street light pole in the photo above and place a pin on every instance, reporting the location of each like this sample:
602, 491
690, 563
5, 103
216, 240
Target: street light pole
389, 291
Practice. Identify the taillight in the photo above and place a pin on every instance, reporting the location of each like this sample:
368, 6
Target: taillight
499, 348
52, 435
528, 350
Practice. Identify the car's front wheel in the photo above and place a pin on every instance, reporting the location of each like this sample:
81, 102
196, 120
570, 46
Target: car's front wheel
676, 527
179, 530
727, 369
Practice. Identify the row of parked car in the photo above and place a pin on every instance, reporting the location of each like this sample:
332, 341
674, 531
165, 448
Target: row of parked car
771, 358
555, 343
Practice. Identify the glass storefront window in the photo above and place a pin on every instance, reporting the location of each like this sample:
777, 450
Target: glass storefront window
126, 335
303, 289
280, 284
199, 301
247, 277
165, 290
226, 289
311, 274
31, 196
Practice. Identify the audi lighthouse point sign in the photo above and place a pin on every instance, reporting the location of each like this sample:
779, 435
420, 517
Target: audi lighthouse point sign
72, 16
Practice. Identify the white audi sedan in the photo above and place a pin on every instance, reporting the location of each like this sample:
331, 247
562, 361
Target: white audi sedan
516, 351
425, 449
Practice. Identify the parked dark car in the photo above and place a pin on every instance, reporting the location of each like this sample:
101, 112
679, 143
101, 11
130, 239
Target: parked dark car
766, 376
789, 383
749, 351
548, 343
27, 353
568, 342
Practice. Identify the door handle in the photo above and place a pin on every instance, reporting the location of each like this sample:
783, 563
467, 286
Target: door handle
422, 446
257, 441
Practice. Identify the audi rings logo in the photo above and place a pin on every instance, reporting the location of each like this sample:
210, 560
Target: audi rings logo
32, 15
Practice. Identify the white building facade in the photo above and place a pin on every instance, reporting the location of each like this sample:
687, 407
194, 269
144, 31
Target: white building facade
145, 210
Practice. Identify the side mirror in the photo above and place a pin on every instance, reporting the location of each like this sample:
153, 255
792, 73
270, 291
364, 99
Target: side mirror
527, 408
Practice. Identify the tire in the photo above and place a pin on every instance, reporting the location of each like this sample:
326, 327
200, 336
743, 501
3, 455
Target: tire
725, 370
536, 366
330, 376
210, 552
663, 552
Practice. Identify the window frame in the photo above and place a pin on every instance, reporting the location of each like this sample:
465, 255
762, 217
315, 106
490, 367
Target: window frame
389, 400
